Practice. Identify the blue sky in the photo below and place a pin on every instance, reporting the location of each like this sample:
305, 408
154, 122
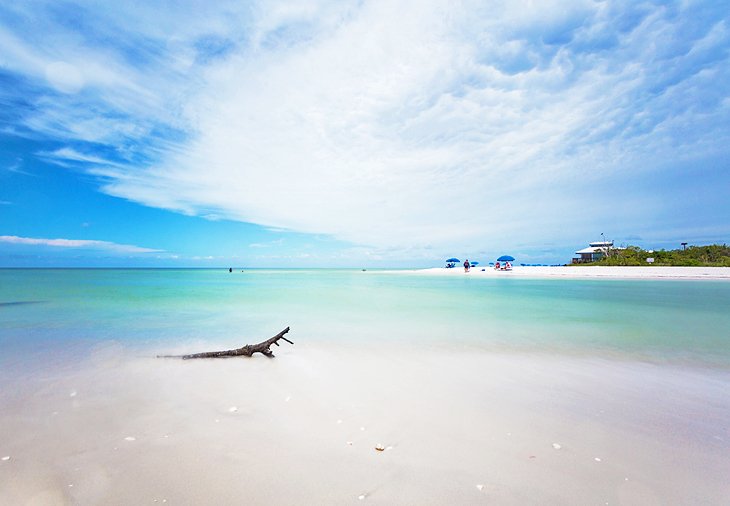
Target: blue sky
336, 133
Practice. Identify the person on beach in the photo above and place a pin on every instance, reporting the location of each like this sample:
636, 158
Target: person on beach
466, 265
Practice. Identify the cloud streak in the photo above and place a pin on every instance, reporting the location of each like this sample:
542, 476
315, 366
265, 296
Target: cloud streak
390, 124
76, 244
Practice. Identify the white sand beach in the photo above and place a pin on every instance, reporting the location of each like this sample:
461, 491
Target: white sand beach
590, 271
456, 426
399, 389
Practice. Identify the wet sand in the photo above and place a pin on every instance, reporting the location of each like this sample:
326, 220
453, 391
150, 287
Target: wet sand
457, 426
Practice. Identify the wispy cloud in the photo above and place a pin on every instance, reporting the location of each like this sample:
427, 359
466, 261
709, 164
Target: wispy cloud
76, 244
270, 244
64, 155
17, 168
392, 124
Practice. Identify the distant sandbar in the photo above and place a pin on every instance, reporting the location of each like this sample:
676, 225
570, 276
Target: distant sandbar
589, 272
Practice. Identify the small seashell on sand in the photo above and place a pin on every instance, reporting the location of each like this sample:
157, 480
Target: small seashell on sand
557, 446
339, 422
70, 485
388, 448
288, 398
232, 409
72, 394
349, 443
380, 448
597, 459
362, 428
480, 487
5, 458
130, 438
362, 497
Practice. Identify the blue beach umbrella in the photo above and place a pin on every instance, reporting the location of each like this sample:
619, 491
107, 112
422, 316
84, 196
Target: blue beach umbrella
453, 260
506, 258
474, 263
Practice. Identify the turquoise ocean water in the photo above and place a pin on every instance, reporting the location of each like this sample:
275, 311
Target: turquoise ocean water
156, 310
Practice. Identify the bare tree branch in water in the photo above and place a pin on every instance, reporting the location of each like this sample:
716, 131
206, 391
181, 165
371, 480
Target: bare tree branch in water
246, 351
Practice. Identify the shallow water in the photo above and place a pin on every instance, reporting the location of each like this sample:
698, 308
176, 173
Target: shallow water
654, 320
677, 321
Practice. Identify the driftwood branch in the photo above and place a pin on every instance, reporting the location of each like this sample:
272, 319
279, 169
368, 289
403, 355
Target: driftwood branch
246, 351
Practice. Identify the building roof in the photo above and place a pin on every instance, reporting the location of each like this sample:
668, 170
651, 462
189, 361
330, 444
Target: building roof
590, 249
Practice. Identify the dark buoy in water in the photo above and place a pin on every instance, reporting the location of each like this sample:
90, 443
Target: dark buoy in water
230, 269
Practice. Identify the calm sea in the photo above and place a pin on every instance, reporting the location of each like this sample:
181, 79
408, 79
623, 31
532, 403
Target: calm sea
684, 322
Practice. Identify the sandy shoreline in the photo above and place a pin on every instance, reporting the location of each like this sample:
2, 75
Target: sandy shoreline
499, 393
462, 427
588, 272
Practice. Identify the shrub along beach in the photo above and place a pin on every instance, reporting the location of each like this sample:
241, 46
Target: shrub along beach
714, 255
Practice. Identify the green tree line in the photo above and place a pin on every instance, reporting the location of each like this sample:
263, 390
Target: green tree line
714, 255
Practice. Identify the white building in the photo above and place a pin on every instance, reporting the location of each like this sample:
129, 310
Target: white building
594, 252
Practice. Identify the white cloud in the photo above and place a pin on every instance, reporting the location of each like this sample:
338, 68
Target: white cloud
76, 244
17, 168
398, 124
71, 155
270, 244
394, 127
65, 77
